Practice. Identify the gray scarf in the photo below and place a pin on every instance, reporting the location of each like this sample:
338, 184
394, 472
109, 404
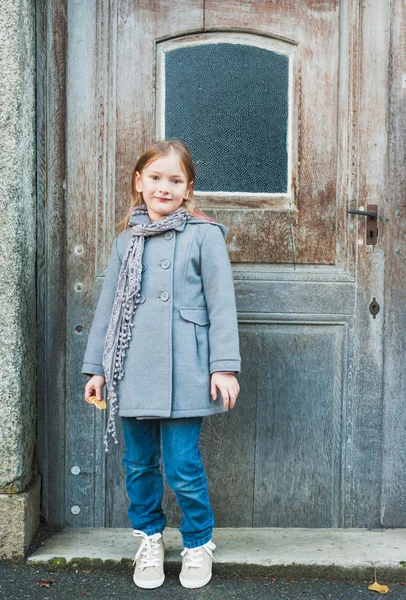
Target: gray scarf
126, 300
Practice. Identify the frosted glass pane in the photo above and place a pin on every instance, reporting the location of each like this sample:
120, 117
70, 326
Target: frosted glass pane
229, 104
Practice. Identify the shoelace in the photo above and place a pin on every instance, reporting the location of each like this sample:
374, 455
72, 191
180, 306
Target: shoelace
149, 549
195, 555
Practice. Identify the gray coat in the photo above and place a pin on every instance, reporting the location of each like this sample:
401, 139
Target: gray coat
185, 327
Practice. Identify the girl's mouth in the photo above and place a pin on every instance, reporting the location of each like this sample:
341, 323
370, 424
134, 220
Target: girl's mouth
163, 199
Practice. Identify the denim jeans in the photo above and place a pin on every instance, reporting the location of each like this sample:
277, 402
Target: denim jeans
184, 473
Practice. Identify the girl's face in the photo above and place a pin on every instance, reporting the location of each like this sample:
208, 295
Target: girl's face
163, 185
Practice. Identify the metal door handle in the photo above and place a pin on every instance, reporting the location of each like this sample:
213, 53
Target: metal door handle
365, 213
372, 222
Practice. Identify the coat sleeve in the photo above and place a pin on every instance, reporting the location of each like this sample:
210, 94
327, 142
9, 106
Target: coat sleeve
219, 292
93, 358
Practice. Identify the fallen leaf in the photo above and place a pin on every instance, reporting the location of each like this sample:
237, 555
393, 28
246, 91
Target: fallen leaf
45, 582
376, 587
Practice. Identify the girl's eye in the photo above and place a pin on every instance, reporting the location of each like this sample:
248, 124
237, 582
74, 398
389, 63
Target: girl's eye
175, 180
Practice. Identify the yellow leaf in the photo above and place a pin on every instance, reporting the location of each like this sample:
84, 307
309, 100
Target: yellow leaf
98, 403
376, 587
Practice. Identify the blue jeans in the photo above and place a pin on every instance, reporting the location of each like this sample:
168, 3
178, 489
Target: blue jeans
184, 473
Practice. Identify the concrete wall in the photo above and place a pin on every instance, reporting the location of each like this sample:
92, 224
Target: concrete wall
19, 483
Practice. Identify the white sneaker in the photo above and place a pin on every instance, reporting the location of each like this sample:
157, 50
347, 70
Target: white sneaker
149, 570
197, 565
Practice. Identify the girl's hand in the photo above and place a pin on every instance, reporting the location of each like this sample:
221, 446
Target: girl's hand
94, 387
228, 386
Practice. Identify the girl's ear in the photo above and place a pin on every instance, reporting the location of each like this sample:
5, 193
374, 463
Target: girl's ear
189, 190
138, 185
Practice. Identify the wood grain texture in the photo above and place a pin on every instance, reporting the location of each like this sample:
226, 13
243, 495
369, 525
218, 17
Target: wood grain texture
370, 141
393, 504
83, 422
51, 254
299, 433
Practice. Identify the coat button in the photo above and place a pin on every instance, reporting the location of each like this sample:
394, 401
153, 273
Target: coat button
141, 299
168, 235
164, 296
143, 267
165, 264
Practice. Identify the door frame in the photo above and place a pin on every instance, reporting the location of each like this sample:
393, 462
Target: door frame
52, 244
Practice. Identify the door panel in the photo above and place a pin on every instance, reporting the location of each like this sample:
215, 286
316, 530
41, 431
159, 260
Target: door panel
298, 444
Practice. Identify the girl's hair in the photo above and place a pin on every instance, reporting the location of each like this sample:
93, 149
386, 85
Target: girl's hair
156, 150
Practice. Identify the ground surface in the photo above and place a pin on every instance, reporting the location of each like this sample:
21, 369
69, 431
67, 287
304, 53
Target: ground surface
18, 582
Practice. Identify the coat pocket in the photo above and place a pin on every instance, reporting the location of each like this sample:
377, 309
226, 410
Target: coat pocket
200, 319
195, 315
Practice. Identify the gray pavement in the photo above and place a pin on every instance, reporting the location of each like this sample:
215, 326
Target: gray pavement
19, 582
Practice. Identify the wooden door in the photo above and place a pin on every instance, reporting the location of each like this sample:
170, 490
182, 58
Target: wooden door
283, 106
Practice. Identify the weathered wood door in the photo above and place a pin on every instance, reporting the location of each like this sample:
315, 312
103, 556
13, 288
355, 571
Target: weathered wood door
283, 105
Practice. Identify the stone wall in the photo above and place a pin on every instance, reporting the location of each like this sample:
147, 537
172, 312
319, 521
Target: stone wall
19, 483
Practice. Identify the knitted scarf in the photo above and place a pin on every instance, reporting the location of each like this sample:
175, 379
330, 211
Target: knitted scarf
126, 300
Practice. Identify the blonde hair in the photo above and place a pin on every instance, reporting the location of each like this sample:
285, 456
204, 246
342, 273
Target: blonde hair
154, 151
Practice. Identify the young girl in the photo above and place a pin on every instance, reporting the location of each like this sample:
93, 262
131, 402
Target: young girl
167, 306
